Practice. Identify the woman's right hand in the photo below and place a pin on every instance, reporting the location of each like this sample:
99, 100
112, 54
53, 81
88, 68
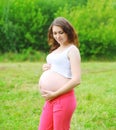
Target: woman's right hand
46, 67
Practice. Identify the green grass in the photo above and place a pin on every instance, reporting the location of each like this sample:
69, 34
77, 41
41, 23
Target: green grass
21, 103
26, 55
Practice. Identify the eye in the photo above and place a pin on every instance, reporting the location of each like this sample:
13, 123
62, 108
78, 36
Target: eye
54, 33
61, 32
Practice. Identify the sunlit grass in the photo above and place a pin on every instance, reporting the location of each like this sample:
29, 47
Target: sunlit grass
21, 103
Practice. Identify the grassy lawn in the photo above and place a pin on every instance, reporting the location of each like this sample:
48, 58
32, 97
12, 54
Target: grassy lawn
21, 103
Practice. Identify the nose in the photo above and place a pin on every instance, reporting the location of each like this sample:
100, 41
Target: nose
58, 35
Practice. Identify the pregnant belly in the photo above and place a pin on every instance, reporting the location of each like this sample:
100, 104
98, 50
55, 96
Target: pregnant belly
52, 81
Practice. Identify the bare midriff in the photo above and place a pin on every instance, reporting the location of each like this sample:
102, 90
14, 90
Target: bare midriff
52, 81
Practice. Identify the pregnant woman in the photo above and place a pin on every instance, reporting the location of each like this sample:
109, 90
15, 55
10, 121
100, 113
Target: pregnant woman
61, 75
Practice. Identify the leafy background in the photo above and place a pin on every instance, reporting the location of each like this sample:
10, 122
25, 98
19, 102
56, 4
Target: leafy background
24, 25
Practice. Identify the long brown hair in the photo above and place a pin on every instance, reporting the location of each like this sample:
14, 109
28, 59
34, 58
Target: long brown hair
67, 28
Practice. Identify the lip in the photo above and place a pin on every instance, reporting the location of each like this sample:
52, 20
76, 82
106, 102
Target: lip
59, 40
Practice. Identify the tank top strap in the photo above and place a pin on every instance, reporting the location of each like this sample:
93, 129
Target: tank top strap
67, 50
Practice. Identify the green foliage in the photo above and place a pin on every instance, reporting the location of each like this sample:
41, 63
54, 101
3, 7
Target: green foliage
96, 27
25, 29
26, 55
24, 25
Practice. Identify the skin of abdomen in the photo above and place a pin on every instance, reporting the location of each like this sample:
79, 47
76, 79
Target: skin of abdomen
52, 81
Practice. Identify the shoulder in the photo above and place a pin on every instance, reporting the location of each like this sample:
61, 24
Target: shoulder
73, 49
74, 52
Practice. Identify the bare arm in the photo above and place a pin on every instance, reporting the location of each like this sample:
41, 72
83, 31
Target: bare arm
75, 60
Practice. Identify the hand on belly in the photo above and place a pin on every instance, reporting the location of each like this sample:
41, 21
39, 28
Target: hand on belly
48, 95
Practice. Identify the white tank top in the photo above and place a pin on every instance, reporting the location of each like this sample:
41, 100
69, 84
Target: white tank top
60, 62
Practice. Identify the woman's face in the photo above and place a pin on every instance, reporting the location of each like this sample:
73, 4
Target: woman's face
59, 35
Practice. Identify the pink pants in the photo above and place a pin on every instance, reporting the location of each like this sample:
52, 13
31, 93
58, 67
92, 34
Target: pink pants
57, 113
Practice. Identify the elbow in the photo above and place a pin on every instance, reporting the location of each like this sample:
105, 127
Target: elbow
77, 82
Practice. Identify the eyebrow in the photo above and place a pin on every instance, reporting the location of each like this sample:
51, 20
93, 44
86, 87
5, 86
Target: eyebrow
58, 31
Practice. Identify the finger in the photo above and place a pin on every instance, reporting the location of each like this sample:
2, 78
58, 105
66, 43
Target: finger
44, 96
45, 91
